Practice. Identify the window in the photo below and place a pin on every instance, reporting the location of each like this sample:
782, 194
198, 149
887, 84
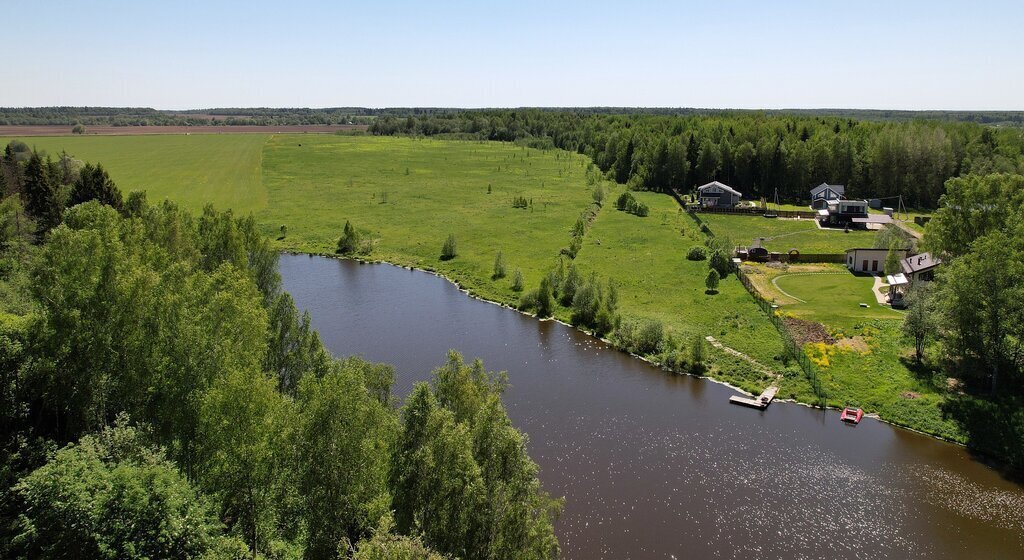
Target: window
865, 267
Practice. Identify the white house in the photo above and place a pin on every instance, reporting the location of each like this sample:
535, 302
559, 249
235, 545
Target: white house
869, 260
715, 194
823, 193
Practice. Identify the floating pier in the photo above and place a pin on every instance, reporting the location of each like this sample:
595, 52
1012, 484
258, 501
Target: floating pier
761, 402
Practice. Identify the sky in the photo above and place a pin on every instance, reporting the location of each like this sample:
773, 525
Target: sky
772, 54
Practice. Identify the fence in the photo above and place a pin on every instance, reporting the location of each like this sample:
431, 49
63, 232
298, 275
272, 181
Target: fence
748, 211
791, 348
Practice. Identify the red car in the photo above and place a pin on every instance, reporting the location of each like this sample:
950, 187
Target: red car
852, 415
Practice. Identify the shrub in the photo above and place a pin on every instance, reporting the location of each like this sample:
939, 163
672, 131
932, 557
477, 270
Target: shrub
569, 286
712, 281
545, 303
284, 231
499, 266
517, 281
520, 202
624, 200
449, 251
698, 353
528, 301
720, 263
349, 241
697, 253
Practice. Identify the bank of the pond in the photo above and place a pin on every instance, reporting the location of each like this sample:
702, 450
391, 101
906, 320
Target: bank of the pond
653, 465
714, 373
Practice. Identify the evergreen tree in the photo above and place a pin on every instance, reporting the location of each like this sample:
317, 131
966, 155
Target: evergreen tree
349, 241
499, 266
711, 282
42, 200
449, 250
95, 184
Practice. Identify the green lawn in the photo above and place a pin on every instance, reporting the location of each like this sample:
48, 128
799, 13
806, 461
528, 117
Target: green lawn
833, 297
223, 169
784, 234
409, 194
646, 257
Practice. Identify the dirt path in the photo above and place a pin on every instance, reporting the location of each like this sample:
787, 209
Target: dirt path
740, 355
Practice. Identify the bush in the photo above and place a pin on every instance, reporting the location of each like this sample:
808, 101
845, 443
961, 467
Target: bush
720, 263
545, 303
449, 251
697, 253
499, 266
349, 241
698, 353
712, 281
517, 281
624, 200
528, 301
641, 338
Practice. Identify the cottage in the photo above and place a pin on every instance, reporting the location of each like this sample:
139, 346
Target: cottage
920, 267
842, 212
869, 260
718, 195
823, 193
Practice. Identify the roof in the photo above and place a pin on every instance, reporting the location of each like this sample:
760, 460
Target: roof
838, 189
919, 263
722, 186
896, 279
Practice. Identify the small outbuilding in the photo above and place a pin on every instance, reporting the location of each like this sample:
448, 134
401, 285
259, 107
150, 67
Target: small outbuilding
920, 267
718, 195
869, 260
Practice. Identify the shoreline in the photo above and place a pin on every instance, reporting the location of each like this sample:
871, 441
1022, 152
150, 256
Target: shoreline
469, 293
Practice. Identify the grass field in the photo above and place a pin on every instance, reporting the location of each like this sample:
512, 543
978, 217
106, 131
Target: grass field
222, 169
646, 257
784, 234
409, 194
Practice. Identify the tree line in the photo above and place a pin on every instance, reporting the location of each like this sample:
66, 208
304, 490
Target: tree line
754, 152
163, 397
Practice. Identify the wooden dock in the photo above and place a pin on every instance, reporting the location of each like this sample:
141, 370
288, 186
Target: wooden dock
761, 402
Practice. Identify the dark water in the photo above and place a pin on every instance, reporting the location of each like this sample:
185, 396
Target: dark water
654, 465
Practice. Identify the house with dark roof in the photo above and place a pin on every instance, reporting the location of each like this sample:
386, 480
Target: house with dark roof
824, 193
718, 195
920, 267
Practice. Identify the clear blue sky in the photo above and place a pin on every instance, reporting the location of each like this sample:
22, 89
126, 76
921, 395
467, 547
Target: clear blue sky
724, 54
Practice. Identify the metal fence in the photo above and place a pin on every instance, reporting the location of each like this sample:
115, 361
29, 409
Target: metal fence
791, 348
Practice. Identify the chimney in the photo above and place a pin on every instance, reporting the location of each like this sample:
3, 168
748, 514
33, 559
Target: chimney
919, 259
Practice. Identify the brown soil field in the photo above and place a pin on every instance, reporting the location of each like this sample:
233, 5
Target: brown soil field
62, 130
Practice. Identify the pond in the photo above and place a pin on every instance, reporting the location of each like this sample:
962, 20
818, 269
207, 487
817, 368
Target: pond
657, 465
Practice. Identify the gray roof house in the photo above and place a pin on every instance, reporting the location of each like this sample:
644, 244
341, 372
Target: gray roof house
920, 267
823, 193
715, 194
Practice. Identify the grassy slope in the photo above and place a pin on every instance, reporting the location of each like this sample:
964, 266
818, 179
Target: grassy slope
646, 257
784, 234
315, 187
222, 169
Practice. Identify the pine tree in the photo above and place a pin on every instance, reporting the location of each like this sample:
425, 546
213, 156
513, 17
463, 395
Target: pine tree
712, 281
349, 241
95, 184
41, 198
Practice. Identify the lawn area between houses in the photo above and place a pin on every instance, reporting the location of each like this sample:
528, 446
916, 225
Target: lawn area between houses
193, 170
783, 234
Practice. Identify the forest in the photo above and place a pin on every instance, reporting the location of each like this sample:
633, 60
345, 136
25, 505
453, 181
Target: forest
161, 396
753, 152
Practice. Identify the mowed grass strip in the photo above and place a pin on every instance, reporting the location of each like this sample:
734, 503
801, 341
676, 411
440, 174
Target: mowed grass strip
410, 194
193, 170
782, 234
647, 259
